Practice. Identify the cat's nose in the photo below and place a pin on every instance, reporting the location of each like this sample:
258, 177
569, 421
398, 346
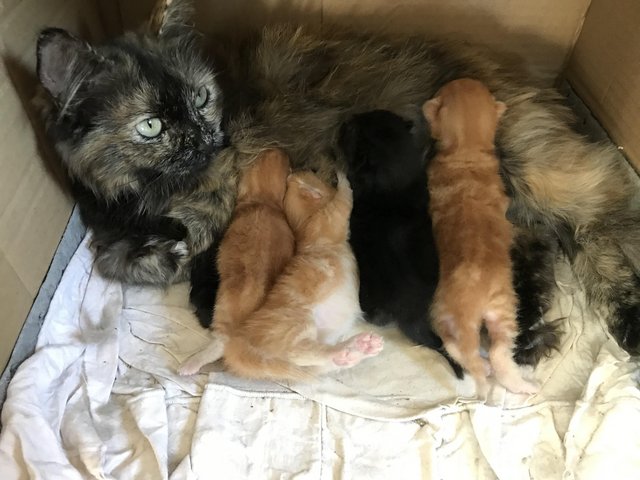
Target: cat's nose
210, 149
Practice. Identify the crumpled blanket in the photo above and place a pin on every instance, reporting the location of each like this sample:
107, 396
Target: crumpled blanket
100, 398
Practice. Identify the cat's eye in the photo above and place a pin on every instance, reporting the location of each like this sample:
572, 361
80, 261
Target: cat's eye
149, 127
202, 95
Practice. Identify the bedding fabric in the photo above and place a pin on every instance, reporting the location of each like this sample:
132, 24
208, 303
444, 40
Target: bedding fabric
100, 399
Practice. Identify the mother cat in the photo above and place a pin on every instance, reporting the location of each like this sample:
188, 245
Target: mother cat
138, 124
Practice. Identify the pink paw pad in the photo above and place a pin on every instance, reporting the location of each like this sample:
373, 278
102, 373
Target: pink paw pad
357, 348
347, 358
369, 344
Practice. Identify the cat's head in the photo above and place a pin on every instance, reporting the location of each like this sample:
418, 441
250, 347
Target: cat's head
137, 114
463, 112
266, 178
382, 152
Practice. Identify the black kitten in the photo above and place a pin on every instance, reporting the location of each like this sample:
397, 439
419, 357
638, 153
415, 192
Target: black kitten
390, 226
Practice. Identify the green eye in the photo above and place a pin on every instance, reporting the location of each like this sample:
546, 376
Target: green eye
201, 97
149, 127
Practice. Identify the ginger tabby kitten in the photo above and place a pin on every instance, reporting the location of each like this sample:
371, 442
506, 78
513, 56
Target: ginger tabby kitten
254, 250
297, 333
473, 236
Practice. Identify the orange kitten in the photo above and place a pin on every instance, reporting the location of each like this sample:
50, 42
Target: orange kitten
298, 330
254, 250
473, 237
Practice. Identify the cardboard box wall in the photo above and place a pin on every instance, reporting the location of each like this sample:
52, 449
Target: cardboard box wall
597, 40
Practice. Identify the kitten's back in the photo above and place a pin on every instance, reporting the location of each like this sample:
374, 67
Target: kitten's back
258, 243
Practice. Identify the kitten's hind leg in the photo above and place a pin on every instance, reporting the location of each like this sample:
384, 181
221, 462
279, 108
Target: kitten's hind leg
209, 354
357, 348
325, 358
466, 352
501, 325
420, 331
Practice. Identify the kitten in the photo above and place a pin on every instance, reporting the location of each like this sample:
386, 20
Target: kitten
391, 232
297, 333
473, 236
254, 250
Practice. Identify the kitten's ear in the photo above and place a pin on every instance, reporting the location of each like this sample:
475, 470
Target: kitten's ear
431, 108
171, 17
347, 138
308, 190
311, 192
58, 53
501, 107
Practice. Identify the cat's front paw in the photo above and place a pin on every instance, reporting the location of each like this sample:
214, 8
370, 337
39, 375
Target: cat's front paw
180, 250
627, 330
538, 341
177, 251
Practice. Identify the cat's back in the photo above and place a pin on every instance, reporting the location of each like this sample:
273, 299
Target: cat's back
257, 243
468, 209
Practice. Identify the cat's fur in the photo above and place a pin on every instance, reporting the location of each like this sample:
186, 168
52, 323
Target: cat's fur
472, 234
298, 331
290, 87
253, 252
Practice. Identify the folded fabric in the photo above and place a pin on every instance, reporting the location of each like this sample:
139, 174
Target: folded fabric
100, 398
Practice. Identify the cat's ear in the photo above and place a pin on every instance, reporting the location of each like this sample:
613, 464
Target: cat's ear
58, 54
347, 138
501, 107
171, 17
308, 190
431, 108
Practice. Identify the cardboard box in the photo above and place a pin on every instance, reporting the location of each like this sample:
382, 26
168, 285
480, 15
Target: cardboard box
595, 44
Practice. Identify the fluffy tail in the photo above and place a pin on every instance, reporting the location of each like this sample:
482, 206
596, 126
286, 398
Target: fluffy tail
243, 359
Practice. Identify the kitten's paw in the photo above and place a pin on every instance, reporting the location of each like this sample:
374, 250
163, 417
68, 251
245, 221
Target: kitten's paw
487, 367
369, 344
482, 387
175, 251
627, 330
346, 358
358, 348
189, 367
516, 384
212, 352
180, 249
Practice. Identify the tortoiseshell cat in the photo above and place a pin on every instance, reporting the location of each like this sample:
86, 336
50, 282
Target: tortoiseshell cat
144, 195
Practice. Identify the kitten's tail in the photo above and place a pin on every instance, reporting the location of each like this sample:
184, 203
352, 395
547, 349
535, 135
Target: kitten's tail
245, 360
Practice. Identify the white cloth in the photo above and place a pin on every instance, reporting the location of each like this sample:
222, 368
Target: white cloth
100, 399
